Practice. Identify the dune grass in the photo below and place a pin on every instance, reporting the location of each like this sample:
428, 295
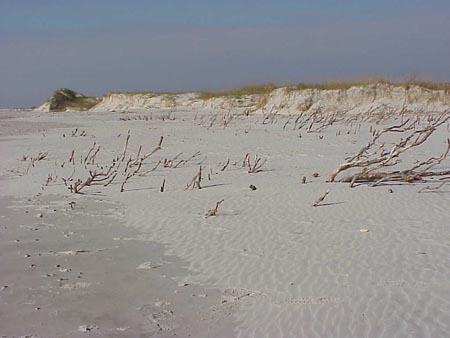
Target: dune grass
65, 98
239, 92
265, 89
342, 85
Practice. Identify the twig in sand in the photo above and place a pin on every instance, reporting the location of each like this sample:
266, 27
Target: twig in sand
321, 198
196, 180
432, 189
72, 157
131, 174
256, 166
95, 178
89, 152
213, 211
37, 158
226, 165
158, 147
126, 146
92, 158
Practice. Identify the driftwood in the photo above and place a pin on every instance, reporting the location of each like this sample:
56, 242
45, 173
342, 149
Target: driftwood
213, 211
130, 174
158, 147
432, 189
72, 157
126, 146
138, 163
375, 156
196, 180
225, 165
89, 153
117, 168
95, 178
322, 122
92, 158
321, 198
37, 158
256, 166
173, 162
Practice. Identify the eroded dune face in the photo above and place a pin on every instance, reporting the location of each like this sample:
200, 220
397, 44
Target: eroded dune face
374, 99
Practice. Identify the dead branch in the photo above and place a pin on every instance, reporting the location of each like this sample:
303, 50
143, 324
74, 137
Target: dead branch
72, 157
213, 211
156, 166
170, 163
225, 165
196, 180
92, 158
139, 152
244, 161
37, 158
256, 166
90, 151
131, 174
375, 156
286, 123
95, 178
126, 146
432, 189
321, 198
158, 147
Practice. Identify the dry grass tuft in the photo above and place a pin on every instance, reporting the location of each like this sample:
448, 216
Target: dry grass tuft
343, 85
263, 89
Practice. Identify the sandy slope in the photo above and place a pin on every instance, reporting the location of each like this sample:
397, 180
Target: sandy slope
290, 269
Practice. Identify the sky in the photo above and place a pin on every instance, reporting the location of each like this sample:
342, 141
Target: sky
96, 46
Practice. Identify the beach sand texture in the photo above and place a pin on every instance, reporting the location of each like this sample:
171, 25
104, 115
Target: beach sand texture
367, 262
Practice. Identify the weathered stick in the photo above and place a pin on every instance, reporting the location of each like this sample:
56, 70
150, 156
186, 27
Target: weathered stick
321, 198
196, 180
126, 146
214, 211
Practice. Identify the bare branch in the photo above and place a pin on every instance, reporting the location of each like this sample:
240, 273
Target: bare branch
213, 211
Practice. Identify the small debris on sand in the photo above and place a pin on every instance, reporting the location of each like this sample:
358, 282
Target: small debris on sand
87, 328
73, 252
148, 266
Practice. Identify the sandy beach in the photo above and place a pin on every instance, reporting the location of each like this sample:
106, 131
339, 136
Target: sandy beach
368, 261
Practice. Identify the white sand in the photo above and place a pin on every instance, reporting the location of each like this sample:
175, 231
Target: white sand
290, 270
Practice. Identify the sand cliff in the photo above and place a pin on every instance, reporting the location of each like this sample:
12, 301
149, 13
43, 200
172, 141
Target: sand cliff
373, 99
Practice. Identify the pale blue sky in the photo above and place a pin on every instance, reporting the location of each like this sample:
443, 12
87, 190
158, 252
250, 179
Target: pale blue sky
99, 45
